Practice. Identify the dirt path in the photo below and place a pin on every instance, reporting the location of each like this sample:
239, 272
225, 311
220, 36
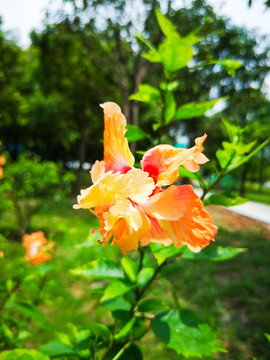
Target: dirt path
234, 221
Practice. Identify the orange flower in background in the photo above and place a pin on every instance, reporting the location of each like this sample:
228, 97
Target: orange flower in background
2, 254
130, 203
38, 249
2, 162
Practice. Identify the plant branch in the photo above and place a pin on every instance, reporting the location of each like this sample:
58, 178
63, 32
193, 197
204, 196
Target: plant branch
122, 350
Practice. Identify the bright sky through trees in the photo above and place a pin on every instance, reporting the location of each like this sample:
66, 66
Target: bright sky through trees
23, 16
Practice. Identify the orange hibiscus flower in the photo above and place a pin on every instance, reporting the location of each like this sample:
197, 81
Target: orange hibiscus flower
38, 249
130, 203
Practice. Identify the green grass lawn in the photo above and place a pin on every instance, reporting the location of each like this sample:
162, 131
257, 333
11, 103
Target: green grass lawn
233, 297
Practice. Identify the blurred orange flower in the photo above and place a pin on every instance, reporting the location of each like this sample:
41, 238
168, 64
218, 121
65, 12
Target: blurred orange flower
2, 162
130, 203
38, 249
2, 254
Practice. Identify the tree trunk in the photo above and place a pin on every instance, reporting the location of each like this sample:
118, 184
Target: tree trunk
242, 189
261, 179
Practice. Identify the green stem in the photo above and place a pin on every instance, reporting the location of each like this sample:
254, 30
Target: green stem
141, 259
221, 174
141, 293
122, 350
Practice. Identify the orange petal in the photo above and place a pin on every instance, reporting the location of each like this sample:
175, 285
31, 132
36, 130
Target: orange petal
97, 171
156, 234
127, 223
2, 160
135, 185
166, 205
162, 162
117, 155
195, 228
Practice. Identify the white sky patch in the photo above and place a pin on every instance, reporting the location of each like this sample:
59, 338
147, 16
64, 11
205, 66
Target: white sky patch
220, 106
22, 16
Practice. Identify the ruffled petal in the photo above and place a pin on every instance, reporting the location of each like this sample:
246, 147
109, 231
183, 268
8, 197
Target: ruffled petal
195, 228
117, 155
127, 223
162, 162
97, 171
135, 185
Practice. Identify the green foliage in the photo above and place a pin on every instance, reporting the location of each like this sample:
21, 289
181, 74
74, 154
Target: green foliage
150, 305
194, 110
146, 93
134, 133
29, 310
28, 179
23, 354
225, 199
115, 289
213, 253
162, 253
130, 268
181, 331
183, 172
229, 65
99, 269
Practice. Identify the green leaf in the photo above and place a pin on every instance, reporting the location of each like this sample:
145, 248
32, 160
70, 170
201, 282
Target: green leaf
99, 330
170, 107
165, 24
183, 172
146, 93
180, 330
7, 332
22, 354
175, 52
225, 199
114, 289
144, 276
29, 310
99, 269
267, 336
244, 159
117, 304
130, 268
171, 86
152, 55
134, 133
213, 253
233, 131
224, 157
162, 252
150, 305
57, 349
229, 65
126, 329
193, 110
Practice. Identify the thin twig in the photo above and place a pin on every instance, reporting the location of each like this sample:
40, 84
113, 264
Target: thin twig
122, 350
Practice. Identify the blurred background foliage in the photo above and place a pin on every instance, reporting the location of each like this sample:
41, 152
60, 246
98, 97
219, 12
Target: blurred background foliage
51, 91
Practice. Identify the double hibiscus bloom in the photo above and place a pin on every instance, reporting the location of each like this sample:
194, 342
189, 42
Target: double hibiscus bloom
130, 203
